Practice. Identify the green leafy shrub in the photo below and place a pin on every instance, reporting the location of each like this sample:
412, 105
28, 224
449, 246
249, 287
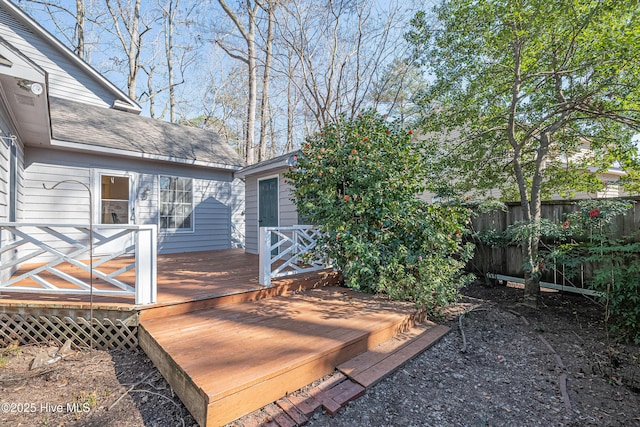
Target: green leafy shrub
616, 261
358, 180
586, 236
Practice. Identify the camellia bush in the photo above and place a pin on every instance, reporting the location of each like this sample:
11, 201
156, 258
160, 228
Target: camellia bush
358, 180
616, 261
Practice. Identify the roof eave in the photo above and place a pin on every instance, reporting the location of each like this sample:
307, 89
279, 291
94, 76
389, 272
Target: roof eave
139, 155
267, 165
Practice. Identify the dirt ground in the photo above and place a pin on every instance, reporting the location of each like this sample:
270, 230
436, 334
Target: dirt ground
515, 366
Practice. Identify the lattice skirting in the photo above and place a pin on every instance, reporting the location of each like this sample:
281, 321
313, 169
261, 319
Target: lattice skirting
103, 334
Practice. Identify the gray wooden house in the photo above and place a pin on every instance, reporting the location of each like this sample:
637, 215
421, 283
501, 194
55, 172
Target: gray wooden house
60, 120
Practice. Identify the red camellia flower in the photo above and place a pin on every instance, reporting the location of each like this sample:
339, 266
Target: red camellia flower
593, 213
566, 224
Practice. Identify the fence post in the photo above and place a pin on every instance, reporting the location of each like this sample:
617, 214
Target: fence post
146, 265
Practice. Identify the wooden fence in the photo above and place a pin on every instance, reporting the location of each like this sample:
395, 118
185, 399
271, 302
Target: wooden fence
508, 260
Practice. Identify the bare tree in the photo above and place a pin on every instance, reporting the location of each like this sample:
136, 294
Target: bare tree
248, 34
129, 29
342, 46
177, 54
269, 7
74, 36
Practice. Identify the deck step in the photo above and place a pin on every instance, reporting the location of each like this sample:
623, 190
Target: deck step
351, 379
374, 365
230, 360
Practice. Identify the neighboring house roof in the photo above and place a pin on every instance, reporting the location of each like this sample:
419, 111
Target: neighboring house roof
85, 127
285, 160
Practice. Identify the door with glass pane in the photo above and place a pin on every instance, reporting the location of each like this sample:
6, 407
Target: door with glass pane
115, 201
115, 207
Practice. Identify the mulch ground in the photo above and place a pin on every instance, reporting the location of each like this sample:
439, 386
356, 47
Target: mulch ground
502, 364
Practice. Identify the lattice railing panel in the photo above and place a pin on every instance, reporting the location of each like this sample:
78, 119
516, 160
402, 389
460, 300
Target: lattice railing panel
54, 258
102, 334
286, 251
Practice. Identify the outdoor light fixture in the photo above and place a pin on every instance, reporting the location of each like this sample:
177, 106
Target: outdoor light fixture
33, 87
145, 194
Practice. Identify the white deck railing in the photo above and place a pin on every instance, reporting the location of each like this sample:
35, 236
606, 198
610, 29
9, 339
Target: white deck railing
285, 251
29, 249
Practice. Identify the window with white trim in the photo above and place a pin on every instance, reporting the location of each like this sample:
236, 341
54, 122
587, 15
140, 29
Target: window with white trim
176, 203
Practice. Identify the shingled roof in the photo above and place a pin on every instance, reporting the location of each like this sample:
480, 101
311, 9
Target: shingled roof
107, 128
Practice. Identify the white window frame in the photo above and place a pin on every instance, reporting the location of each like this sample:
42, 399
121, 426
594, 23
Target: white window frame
193, 210
97, 194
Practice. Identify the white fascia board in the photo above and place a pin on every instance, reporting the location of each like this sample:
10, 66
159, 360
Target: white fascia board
267, 165
260, 169
87, 148
30, 22
28, 69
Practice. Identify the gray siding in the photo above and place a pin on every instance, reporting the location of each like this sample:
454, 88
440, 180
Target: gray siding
21, 183
287, 213
5, 167
214, 197
5, 151
66, 79
5, 178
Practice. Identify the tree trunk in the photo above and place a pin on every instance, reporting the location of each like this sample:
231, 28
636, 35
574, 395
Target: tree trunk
249, 36
264, 104
533, 269
531, 275
130, 39
80, 21
168, 45
253, 99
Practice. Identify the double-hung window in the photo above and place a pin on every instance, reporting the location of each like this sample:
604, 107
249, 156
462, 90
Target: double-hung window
176, 203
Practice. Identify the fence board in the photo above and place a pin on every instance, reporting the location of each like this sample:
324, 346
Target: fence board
509, 261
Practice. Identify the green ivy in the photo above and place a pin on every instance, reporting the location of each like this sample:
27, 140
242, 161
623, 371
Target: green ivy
358, 180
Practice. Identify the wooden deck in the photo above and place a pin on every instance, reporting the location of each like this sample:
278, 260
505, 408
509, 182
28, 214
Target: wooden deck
182, 278
229, 360
229, 346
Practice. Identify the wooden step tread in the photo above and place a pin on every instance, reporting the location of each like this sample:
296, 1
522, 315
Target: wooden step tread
232, 359
351, 379
374, 365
